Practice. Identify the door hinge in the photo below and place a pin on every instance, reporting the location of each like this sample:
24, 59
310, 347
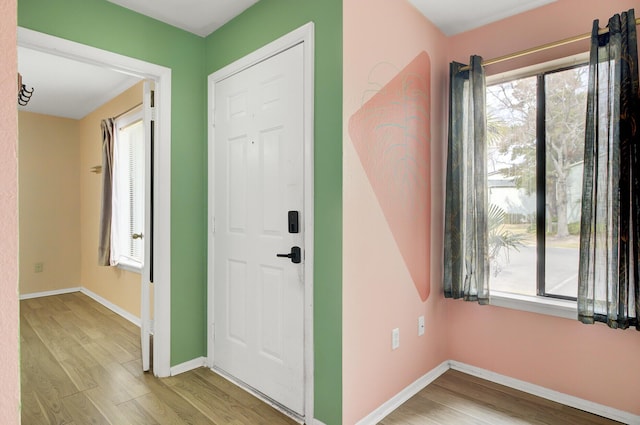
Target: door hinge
152, 104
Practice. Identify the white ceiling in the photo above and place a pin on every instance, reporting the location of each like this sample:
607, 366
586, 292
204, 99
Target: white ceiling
72, 89
65, 87
201, 17
456, 16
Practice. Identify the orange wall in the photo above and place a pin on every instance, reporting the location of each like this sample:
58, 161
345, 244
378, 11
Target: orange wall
119, 286
559, 354
383, 286
59, 217
9, 373
49, 198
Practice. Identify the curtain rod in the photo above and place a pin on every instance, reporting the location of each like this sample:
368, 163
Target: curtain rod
542, 47
127, 111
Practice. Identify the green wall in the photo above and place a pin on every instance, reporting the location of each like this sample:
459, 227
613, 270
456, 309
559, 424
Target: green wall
107, 26
264, 22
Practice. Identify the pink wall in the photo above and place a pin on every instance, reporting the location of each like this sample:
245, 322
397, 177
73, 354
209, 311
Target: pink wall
9, 389
543, 350
556, 21
380, 292
385, 45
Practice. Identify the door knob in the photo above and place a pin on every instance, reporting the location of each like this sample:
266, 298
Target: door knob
295, 254
137, 236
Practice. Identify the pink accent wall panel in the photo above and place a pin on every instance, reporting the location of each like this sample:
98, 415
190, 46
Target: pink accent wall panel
394, 80
392, 135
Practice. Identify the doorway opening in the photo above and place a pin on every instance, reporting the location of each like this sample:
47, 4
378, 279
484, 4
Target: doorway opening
160, 171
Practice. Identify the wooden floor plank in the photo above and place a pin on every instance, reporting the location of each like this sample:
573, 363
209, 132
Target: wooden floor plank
168, 408
83, 411
125, 413
461, 402
421, 411
79, 374
135, 414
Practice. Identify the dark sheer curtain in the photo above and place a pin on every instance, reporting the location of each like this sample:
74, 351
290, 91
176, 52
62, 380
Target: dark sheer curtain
104, 238
466, 262
608, 289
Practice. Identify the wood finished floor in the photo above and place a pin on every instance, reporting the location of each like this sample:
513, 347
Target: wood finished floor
80, 365
456, 398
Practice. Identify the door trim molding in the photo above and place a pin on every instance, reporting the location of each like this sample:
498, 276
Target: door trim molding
303, 35
162, 235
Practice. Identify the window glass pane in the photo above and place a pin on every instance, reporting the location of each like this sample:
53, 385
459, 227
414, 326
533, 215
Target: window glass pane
566, 100
128, 196
136, 188
511, 168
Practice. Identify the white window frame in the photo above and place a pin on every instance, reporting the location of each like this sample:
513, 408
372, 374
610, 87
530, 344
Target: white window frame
533, 303
120, 237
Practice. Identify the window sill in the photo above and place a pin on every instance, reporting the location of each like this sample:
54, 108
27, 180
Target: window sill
130, 266
541, 305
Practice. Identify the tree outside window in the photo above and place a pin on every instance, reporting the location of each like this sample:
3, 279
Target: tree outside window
536, 137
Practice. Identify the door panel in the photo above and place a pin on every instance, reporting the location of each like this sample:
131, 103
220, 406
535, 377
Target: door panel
237, 185
237, 292
259, 297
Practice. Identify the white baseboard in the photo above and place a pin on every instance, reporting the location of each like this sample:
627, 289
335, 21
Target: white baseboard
188, 365
315, 422
111, 306
49, 293
566, 399
404, 395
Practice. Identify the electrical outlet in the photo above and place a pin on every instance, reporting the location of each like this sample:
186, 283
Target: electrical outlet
395, 338
38, 267
420, 325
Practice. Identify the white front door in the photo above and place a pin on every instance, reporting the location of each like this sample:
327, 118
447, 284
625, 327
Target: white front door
259, 182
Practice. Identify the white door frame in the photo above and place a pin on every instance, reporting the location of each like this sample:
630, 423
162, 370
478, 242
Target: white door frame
162, 196
305, 35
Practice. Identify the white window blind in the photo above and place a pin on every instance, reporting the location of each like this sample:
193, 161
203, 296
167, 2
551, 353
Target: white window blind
128, 197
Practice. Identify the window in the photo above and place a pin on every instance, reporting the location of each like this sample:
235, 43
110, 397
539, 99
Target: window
127, 222
535, 127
